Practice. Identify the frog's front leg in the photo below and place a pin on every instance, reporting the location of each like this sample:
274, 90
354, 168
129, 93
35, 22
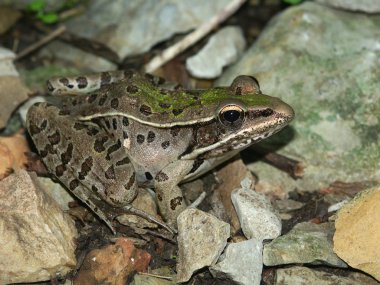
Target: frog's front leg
169, 196
88, 160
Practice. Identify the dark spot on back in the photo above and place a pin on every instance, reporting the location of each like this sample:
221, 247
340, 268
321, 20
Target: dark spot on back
112, 149
102, 100
99, 144
73, 184
54, 138
82, 82
145, 110
64, 112
59, 170
124, 161
132, 89
92, 98
164, 105
125, 121
174, 131
114, 123
85, 168
49, 86
64, 81
79, 126
125, 135
105, 78
176, 112
115, 103
165, 144
94, 188
161, 176
68, 154
140, 139
174, 203
131, 181
110, 173
151, 137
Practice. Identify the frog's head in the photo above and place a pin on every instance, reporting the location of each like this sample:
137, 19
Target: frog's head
242, 118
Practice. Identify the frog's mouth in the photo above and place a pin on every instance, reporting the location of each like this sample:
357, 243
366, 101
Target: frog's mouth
240, 140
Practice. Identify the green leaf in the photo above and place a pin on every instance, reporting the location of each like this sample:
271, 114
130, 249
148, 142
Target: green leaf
292, 2
49, 18
36, 5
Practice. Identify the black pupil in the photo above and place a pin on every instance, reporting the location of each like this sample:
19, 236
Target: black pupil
231, 115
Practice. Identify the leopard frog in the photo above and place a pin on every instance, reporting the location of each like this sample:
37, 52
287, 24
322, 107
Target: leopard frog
105, 135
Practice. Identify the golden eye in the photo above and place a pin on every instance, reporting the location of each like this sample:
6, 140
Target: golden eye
231, 115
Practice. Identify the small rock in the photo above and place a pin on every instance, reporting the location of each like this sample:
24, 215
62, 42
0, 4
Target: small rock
12, 153
305, 243
201, 240
230, 176
112, 264
256, 215
241, 262
357, 235
39, 237
217, 53
78, 58
166, 272
288, 205
8, 17
57, 192
368, 6
12, 90
304, 275
118, 24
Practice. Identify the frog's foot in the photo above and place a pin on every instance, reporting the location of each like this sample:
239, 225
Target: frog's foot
129, 209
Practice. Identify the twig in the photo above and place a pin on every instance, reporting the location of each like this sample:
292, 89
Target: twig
293, 167
193, 37
155, 275
41, 42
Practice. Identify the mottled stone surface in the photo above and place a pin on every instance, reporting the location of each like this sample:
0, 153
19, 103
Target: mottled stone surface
357, 235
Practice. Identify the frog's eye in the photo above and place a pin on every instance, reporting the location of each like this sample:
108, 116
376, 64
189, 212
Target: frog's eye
231, 115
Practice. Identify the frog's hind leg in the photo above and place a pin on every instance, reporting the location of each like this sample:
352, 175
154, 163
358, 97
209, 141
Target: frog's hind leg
88, 160
78, 155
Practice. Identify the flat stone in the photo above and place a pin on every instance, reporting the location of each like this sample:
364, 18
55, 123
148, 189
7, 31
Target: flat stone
305, 243
241, 262
304, 275
39, 237
368, 6
357, 235
257, 217
112, 264
217, 53
201, 240
133, 27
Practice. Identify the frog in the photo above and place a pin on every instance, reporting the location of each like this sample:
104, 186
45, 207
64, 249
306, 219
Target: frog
104, 136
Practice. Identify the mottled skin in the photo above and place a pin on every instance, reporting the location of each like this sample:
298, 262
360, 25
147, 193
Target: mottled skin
122, 131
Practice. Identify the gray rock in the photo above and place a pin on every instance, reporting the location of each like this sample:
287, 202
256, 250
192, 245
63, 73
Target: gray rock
305, 243
76, 57
302, 275
257, 217
133, 27
201, 240
217, 53
241, 262
323, 62
6, 63
39, 237
368, 6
